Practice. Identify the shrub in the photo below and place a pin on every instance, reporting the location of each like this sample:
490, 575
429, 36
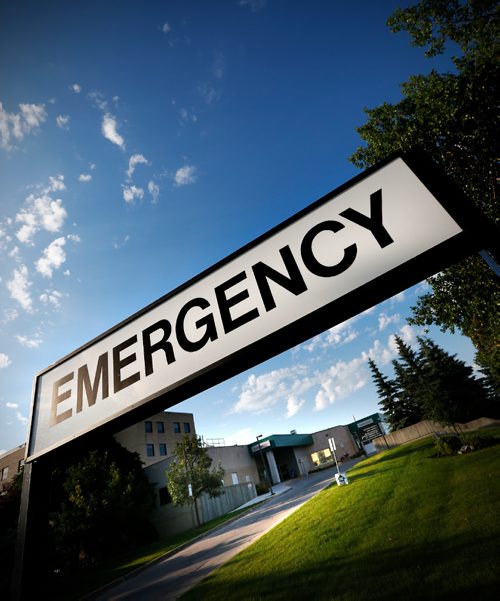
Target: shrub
476, 441
447, 445
262, 488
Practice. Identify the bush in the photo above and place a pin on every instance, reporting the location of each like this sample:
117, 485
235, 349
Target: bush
477, 442
447, 445
262, 488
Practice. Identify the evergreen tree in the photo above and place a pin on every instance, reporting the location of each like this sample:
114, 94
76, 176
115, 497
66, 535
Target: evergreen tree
410, 383
454, 117
432, 384
387, 395
456, 395
190, 474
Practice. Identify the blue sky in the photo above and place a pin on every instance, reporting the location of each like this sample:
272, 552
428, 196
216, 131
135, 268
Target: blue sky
141, 142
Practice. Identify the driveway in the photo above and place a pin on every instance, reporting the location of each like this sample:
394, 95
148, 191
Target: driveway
168, 578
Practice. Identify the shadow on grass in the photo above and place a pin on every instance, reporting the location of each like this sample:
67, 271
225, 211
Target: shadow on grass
447, 569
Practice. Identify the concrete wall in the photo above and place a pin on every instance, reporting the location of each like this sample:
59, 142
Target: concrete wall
235, 460
423, 429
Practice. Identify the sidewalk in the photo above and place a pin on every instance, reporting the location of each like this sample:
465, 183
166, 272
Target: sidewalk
278, 489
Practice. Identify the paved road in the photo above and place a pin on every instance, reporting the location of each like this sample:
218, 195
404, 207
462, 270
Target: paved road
167, 579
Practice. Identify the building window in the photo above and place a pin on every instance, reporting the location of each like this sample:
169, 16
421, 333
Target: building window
5, 473
164, 495
177, 427
160, 427
321, 457
148, 427
163, 448
150, 450
187, 428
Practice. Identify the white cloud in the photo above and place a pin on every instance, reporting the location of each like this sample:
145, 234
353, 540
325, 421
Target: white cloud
53, 257
185, 175
62, 121
340, 380
18, 125
84, 177
99, 100
77, 88
29, 342
42, 212
51, 213
341, 334
130, 193
154, 190
26, 231
12, 405
260, 393
187, 116
55, 184
293, 406
288, 386
33, 115
4, 361
19, 286
135, 160
407, 334
386, 320
166, 27
52, 297
74, 237
110, 132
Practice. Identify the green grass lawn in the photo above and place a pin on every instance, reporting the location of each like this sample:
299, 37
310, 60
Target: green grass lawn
408, 526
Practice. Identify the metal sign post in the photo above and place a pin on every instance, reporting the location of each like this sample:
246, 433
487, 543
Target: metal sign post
379, 233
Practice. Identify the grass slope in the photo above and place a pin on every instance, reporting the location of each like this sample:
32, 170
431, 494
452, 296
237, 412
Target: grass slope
408, 526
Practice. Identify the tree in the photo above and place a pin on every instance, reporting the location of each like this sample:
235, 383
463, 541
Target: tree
409, 383
389, 400
189, 475
454, 117
456, 395
431, 384
102, 505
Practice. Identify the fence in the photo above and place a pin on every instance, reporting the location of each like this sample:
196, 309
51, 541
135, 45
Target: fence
426, 428
169, 520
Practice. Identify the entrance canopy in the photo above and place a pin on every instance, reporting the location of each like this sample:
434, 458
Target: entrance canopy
280, 440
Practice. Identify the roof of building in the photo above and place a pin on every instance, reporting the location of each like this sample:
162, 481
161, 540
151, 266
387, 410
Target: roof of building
280, 440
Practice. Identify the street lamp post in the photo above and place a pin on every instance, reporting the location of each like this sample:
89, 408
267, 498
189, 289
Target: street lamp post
264, 465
